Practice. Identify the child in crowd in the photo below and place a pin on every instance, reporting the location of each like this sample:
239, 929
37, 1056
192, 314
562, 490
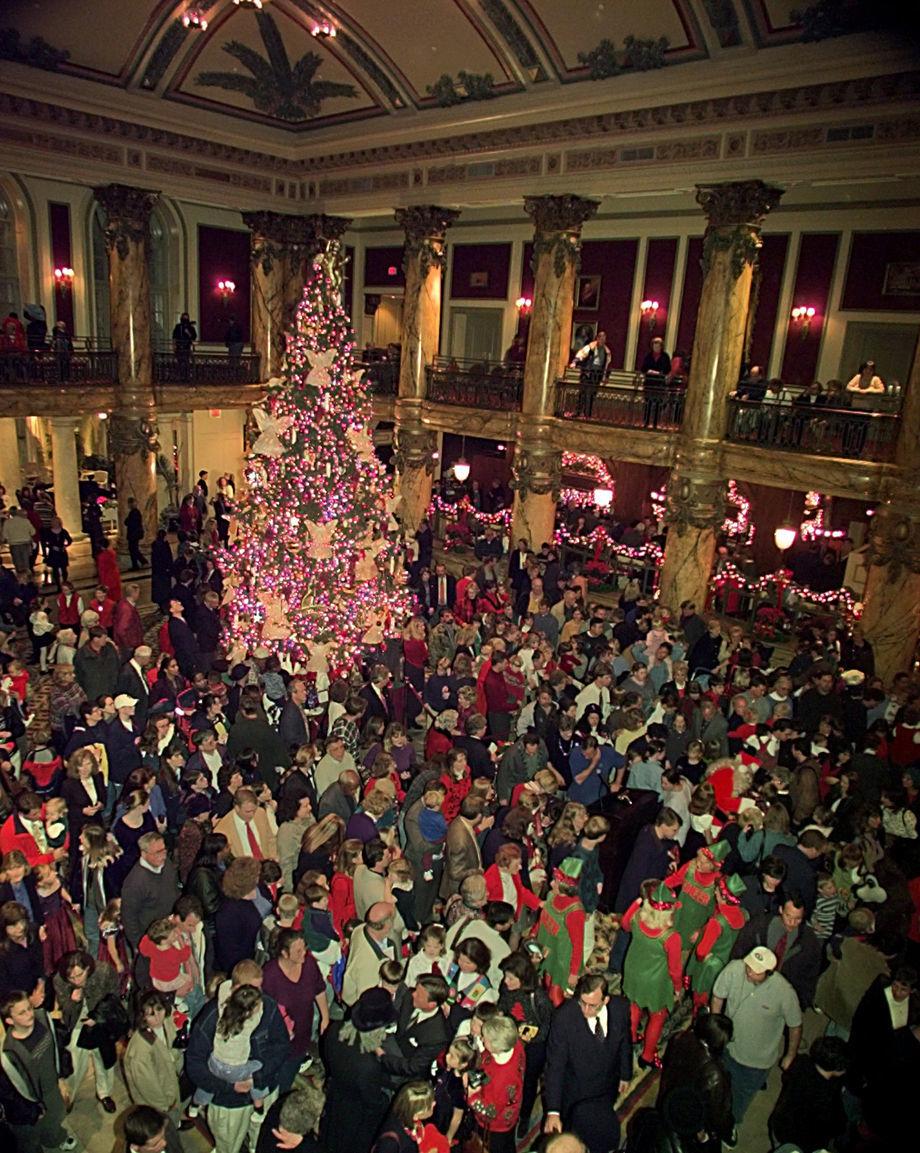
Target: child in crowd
113, 949
449, 1090
172, 967
392, 977
18, 676
318, 929
57, 915
830, 905
431, 956
401, 881
240, 1011
56, 824
41, 633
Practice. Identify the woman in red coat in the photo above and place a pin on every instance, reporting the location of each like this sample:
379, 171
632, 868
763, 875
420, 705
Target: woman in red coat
503, 881
496, 1103
109, 572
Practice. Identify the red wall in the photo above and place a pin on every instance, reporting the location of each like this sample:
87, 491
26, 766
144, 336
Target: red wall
378, 262
62, 257
870, 254
468, 259
817, 256
772, 262
659, 279
690, 300
223, 253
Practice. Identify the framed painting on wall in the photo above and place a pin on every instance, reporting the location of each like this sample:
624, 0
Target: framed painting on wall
589, 293
902, 279
479, 279
582, 333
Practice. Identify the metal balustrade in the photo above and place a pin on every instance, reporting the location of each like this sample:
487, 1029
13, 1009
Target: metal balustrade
85, 362
839, 432
206, 368
491, 385
623, 400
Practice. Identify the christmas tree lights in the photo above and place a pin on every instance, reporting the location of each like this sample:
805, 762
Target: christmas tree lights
316, 570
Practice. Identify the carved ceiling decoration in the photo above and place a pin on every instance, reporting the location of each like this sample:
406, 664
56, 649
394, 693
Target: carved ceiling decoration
397, 61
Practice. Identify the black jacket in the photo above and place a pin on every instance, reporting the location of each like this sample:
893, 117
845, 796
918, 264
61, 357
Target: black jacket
689, 1065
409, 1052
356, 1095
583, 1072
809, 1112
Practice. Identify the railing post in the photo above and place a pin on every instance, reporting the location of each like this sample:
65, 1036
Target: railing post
536, 477
425, 227
133, 424
696, 490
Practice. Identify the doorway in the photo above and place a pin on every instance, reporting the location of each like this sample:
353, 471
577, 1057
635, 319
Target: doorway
388, 321
891, 346
476, 333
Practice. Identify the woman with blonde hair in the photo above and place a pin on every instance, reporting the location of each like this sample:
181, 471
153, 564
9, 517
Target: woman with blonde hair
365, 824
652, 971
563, 837
342, 887
320, 846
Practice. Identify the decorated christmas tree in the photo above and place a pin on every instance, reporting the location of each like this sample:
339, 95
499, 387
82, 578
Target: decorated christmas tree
316, 569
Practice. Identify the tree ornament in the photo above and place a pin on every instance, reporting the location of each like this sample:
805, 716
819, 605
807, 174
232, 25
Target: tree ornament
271, 430
321, 538
320, 364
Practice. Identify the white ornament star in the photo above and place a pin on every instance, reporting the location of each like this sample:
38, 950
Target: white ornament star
271, 430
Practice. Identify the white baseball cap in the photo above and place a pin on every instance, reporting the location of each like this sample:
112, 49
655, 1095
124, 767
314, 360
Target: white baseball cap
761, 960
123, 701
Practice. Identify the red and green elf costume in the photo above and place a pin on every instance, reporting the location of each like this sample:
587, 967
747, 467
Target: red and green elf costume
561, 933
714, 947
652, 976
696, 886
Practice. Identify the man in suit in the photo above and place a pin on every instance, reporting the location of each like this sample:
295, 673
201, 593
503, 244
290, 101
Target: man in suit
376, 695
371, 944
461, 849
421, 1032
183, 640
134, 531
341, 797
442, 589
132, 681
588, 1065
293, 725
247, 828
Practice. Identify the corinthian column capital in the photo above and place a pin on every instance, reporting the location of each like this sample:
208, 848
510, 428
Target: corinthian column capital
127, 214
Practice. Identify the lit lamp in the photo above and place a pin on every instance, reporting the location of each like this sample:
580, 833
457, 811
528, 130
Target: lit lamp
603, 497
63, 278
256, 4
802, 316
649, 310
462, 466
323, 30
524, 304
784, 536
195, 20
226, 289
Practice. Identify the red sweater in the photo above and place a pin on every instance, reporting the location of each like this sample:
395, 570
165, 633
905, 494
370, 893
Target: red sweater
497, 1104
494, 890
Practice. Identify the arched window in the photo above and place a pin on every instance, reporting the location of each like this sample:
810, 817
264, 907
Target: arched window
101, 280
160, 307
10, 293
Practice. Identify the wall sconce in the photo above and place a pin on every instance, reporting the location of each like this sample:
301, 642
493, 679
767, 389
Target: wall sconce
226, 289
524, 304
323, 30
802, 316
649, 310
195, 20
392, 270
63, 278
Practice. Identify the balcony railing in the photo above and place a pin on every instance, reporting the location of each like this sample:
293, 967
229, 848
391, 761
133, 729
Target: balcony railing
205, 368
805, 428
476, 384
382, 376
624, 400
84, 363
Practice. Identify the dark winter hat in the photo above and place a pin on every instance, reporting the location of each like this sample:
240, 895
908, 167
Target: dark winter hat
373, 1010
160, 709
187, 700
239, 672
197, 805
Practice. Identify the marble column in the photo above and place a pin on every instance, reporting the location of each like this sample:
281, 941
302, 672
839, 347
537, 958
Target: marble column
425, 227
133, 424
891, 620
10, 466
66, 474
537, 465
696, 490
267, 256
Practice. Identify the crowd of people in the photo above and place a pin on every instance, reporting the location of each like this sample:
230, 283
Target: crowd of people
528, 851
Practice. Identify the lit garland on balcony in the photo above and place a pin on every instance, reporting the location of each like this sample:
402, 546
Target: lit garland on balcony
595, 470
736, 527
812, 527
842, 598
452, 510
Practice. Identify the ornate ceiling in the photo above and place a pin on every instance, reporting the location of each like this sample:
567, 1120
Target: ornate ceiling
391, 61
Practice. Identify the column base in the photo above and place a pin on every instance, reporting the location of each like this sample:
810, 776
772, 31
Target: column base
687, 567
